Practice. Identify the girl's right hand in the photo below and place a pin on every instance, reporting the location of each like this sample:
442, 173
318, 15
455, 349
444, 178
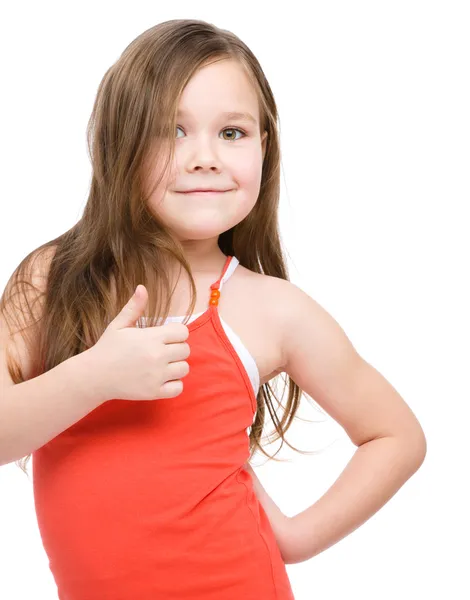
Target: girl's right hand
134, 363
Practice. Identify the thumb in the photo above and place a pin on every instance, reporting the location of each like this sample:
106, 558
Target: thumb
131, 311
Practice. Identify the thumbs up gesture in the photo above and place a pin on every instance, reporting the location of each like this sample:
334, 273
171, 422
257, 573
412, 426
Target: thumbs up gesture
135, 363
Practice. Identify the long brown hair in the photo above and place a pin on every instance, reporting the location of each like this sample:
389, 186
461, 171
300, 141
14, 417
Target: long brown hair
96, 265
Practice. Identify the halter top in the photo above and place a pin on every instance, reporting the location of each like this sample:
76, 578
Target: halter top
149, 500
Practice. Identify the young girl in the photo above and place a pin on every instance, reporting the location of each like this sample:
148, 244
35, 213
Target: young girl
141, 425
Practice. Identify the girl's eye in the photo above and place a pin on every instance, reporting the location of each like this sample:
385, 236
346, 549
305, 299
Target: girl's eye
226, 129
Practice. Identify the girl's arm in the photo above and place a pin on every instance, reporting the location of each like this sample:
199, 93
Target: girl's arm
390, 442
40, 408
37, 410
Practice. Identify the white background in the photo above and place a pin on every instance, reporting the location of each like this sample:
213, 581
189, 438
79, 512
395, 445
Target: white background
374, 102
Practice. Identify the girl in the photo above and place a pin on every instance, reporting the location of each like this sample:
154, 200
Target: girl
141, 425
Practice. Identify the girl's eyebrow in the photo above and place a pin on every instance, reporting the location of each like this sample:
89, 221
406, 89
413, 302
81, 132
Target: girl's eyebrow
242, 116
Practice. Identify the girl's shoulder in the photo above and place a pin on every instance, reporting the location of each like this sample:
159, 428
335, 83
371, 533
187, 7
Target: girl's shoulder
255, 306
273, 294
21, 307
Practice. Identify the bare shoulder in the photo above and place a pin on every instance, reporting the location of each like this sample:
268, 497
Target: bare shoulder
308, 332
301, 315
267, 290
274, 295
249, 309
285, 303
319, 356
14, 315
265, 298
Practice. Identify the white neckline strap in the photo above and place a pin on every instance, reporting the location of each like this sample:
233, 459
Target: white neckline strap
230, 269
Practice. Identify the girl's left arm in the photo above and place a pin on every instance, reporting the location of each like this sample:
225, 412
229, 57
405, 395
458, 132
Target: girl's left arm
391, 445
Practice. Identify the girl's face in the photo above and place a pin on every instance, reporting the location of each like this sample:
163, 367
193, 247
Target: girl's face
213, 150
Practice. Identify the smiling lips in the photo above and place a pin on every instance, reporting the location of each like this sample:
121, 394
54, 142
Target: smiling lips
205, 192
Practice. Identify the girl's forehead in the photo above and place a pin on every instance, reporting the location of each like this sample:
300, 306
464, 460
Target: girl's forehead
219, 90
225, 79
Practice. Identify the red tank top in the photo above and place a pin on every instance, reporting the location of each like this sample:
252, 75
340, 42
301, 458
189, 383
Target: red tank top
149, 500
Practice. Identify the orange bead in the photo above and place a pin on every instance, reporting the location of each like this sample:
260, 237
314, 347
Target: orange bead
214, 301
215, 294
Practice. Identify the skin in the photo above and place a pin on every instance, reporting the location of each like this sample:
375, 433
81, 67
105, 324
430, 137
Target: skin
210, 152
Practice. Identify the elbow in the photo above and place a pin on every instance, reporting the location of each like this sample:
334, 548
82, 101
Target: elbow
416, 447
421, 445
